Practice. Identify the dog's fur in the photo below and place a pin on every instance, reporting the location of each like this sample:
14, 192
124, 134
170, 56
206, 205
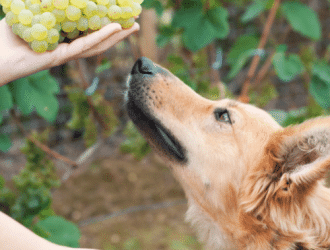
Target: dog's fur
250, 184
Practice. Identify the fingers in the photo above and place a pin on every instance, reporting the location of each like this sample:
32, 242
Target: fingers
110, 41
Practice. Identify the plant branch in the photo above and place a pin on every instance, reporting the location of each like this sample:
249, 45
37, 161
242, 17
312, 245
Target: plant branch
255, 62
40, 145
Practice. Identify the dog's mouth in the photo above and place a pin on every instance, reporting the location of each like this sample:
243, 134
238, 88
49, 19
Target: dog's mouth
155, 132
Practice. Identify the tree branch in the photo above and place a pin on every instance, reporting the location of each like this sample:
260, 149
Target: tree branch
271, 17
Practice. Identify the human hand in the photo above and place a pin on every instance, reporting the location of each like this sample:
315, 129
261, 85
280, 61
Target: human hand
17, 60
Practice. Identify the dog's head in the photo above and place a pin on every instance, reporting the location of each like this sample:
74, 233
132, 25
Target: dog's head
228, 156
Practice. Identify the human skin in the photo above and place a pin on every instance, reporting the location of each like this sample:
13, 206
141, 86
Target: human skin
17, 60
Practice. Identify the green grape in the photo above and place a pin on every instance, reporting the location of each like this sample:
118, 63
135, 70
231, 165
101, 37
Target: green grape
52, 46
11, 18
27, 35
111, 2
35, 9
6, 3
61, 38
137, 9
18, 29
105, 21
27, 3
48, 20
103, 2
25, 17
35, 1
82, 24
127, 23
17, 6
39, 32
127, 12
90, 10
73, 13
5, 10
58, 27
114, 12
138, 1
59, 15
36, 19
79, 3
39, 46
102, 10
53, 36
73, 34
94, 23
124, 3
61, 4
47, 5
69, 26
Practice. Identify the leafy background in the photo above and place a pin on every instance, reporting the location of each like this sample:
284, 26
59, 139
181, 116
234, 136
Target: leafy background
210, 45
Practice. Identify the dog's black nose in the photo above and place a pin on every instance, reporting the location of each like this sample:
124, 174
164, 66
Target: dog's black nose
143, 66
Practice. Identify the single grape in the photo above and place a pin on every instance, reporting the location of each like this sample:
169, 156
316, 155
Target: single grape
39, 46
94, 23
102, 2
82, 24
59, 15
18, 29
68, 26
11, 18
25, 17
47, 5
90, 10
105, 21
127, 23
102, 10
73, 13
39, 32
127, 12
52, 46
114, 12
53, 36
124, 3
6, 3
61, 4
27, 35
17, 6
48, 20
137, 9
79, 3
58, 27
35, 9
73, 34
5, 10
36, 19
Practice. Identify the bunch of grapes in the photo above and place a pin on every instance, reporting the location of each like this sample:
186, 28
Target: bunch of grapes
46, 23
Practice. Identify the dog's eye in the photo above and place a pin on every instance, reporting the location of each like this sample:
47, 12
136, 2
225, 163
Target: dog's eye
222, 115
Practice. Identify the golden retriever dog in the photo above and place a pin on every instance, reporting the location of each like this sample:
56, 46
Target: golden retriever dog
250, 183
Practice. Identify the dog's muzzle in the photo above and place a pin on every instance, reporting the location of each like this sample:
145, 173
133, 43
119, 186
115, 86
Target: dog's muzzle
139, 110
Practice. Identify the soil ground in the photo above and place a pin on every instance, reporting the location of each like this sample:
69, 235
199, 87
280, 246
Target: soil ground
120, 182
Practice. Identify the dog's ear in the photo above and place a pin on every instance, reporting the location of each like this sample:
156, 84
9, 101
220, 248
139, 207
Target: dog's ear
300, 154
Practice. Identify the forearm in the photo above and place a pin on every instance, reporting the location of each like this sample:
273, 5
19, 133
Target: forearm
14, 236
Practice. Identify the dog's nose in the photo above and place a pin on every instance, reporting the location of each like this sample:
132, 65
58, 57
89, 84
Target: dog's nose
143, 66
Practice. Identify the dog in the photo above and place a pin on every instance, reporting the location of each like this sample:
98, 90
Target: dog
250, 183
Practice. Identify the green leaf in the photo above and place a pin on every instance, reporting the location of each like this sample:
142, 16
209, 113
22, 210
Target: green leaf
6, 101
320, 90
242, 44
60, 231
322, 70
253, 11
44, 82
23, 95
5, 143
302, 19
242, 60
218, 17
157, 5
46, 105
287, 68
2, 182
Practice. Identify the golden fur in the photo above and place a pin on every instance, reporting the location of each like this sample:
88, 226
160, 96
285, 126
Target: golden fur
251, 184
